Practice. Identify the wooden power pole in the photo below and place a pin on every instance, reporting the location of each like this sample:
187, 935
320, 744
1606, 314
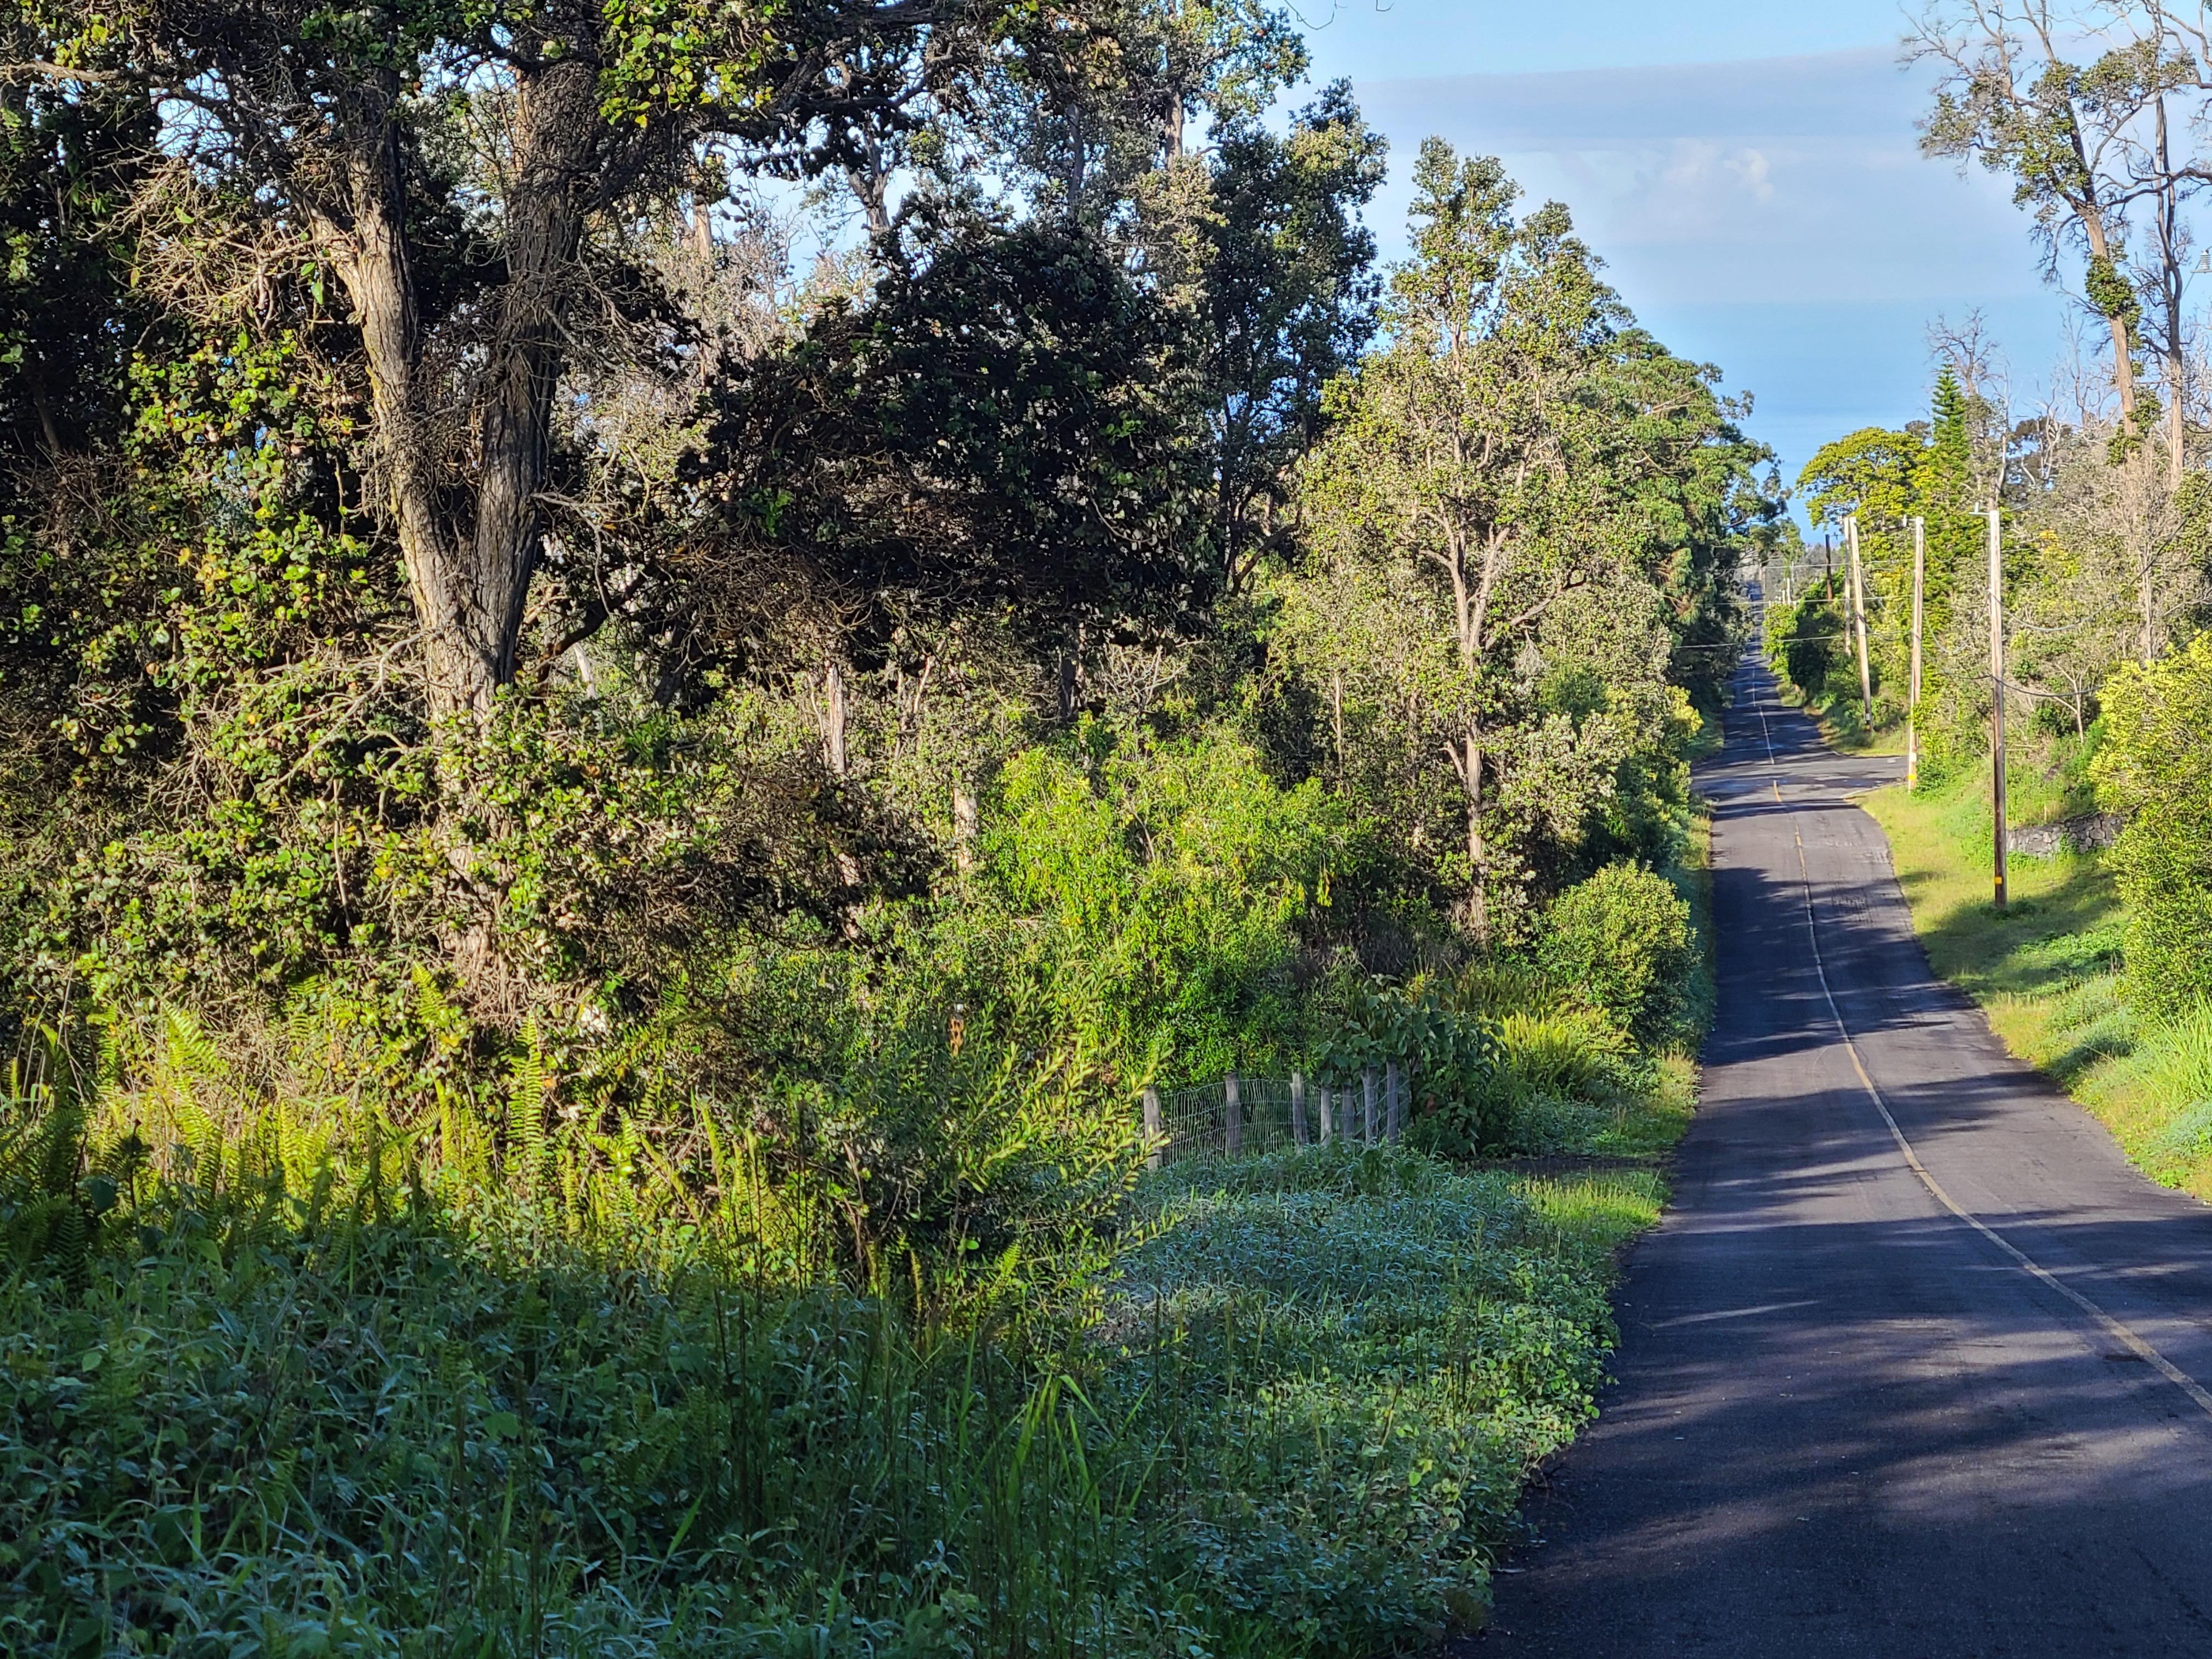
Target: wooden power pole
1997, 699
1912, 705
1858, 622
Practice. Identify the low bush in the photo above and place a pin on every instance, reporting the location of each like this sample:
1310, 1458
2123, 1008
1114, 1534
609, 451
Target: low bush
2156, 764
2164, 863
1558, 1053
1451, 1057
1620, 943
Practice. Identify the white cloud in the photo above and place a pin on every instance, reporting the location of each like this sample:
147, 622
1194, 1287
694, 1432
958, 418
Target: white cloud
1774, 216
1752, 172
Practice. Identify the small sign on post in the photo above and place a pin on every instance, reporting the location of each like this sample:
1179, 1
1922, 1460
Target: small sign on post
1298, 1108
1232, 1118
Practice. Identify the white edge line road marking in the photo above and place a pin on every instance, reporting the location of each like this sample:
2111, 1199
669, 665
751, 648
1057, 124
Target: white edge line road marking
1736, 1313
2134, 1344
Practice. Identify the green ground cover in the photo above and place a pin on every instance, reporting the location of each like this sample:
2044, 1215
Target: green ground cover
1287, 1409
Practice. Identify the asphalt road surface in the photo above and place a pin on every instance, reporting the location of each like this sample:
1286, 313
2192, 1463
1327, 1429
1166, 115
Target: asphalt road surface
1917, 1365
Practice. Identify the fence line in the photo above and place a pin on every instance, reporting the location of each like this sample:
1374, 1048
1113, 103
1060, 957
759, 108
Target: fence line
1239, 1114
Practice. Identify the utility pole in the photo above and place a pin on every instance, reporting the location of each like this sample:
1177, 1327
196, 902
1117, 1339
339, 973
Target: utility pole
1912, 707
1858, 622
1997, 698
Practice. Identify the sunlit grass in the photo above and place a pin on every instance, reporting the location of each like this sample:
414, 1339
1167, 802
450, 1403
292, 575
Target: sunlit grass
1285, 1407
2046, 969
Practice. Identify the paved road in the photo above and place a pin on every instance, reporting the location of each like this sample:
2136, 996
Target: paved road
1846, 1420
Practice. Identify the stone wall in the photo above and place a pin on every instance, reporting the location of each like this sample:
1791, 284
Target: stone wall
2082, 834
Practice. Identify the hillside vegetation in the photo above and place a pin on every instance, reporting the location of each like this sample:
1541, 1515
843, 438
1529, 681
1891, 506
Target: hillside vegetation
603, 829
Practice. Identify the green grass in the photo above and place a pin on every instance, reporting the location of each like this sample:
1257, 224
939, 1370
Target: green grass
1287, 1408
2046, 968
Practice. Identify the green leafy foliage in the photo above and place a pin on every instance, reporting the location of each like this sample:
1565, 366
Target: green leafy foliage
363, 1412
1449, 1057
1002, 389
1399, 1344
2157, 766
1621, 942
1166, 881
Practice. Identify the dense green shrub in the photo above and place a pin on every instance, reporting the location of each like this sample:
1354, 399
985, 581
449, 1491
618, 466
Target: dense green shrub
1451, 1056
2165, 863
1621, 942
2156, 764
1805, 640
1153, 891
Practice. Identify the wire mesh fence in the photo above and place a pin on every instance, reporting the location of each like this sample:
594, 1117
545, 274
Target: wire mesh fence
1236, 1114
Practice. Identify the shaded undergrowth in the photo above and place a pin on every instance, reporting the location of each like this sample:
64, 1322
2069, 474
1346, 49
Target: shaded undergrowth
255, 1404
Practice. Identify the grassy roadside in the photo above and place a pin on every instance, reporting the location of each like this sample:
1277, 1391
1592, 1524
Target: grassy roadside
2046, 972
1293, 1416
1287, 1408
1281, 1405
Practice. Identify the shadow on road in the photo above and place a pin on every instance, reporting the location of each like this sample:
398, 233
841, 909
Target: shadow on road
1844, 1421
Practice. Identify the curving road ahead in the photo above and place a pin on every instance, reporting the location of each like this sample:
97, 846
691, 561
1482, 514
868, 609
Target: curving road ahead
1917, 1364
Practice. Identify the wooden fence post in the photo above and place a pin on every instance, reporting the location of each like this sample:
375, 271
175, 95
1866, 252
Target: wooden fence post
1394, 1096
1367, 1096
1157, 1153
1298, 1108
1232, 1118
1327, 1117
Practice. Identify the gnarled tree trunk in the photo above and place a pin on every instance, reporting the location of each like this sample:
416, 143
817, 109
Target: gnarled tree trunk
471, 550
469, 526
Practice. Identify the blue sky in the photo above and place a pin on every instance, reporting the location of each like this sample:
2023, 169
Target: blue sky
1747, 171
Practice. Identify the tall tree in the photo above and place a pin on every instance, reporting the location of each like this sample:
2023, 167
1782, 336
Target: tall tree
1283, 304
1494, 553
2085, 142
451, 166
